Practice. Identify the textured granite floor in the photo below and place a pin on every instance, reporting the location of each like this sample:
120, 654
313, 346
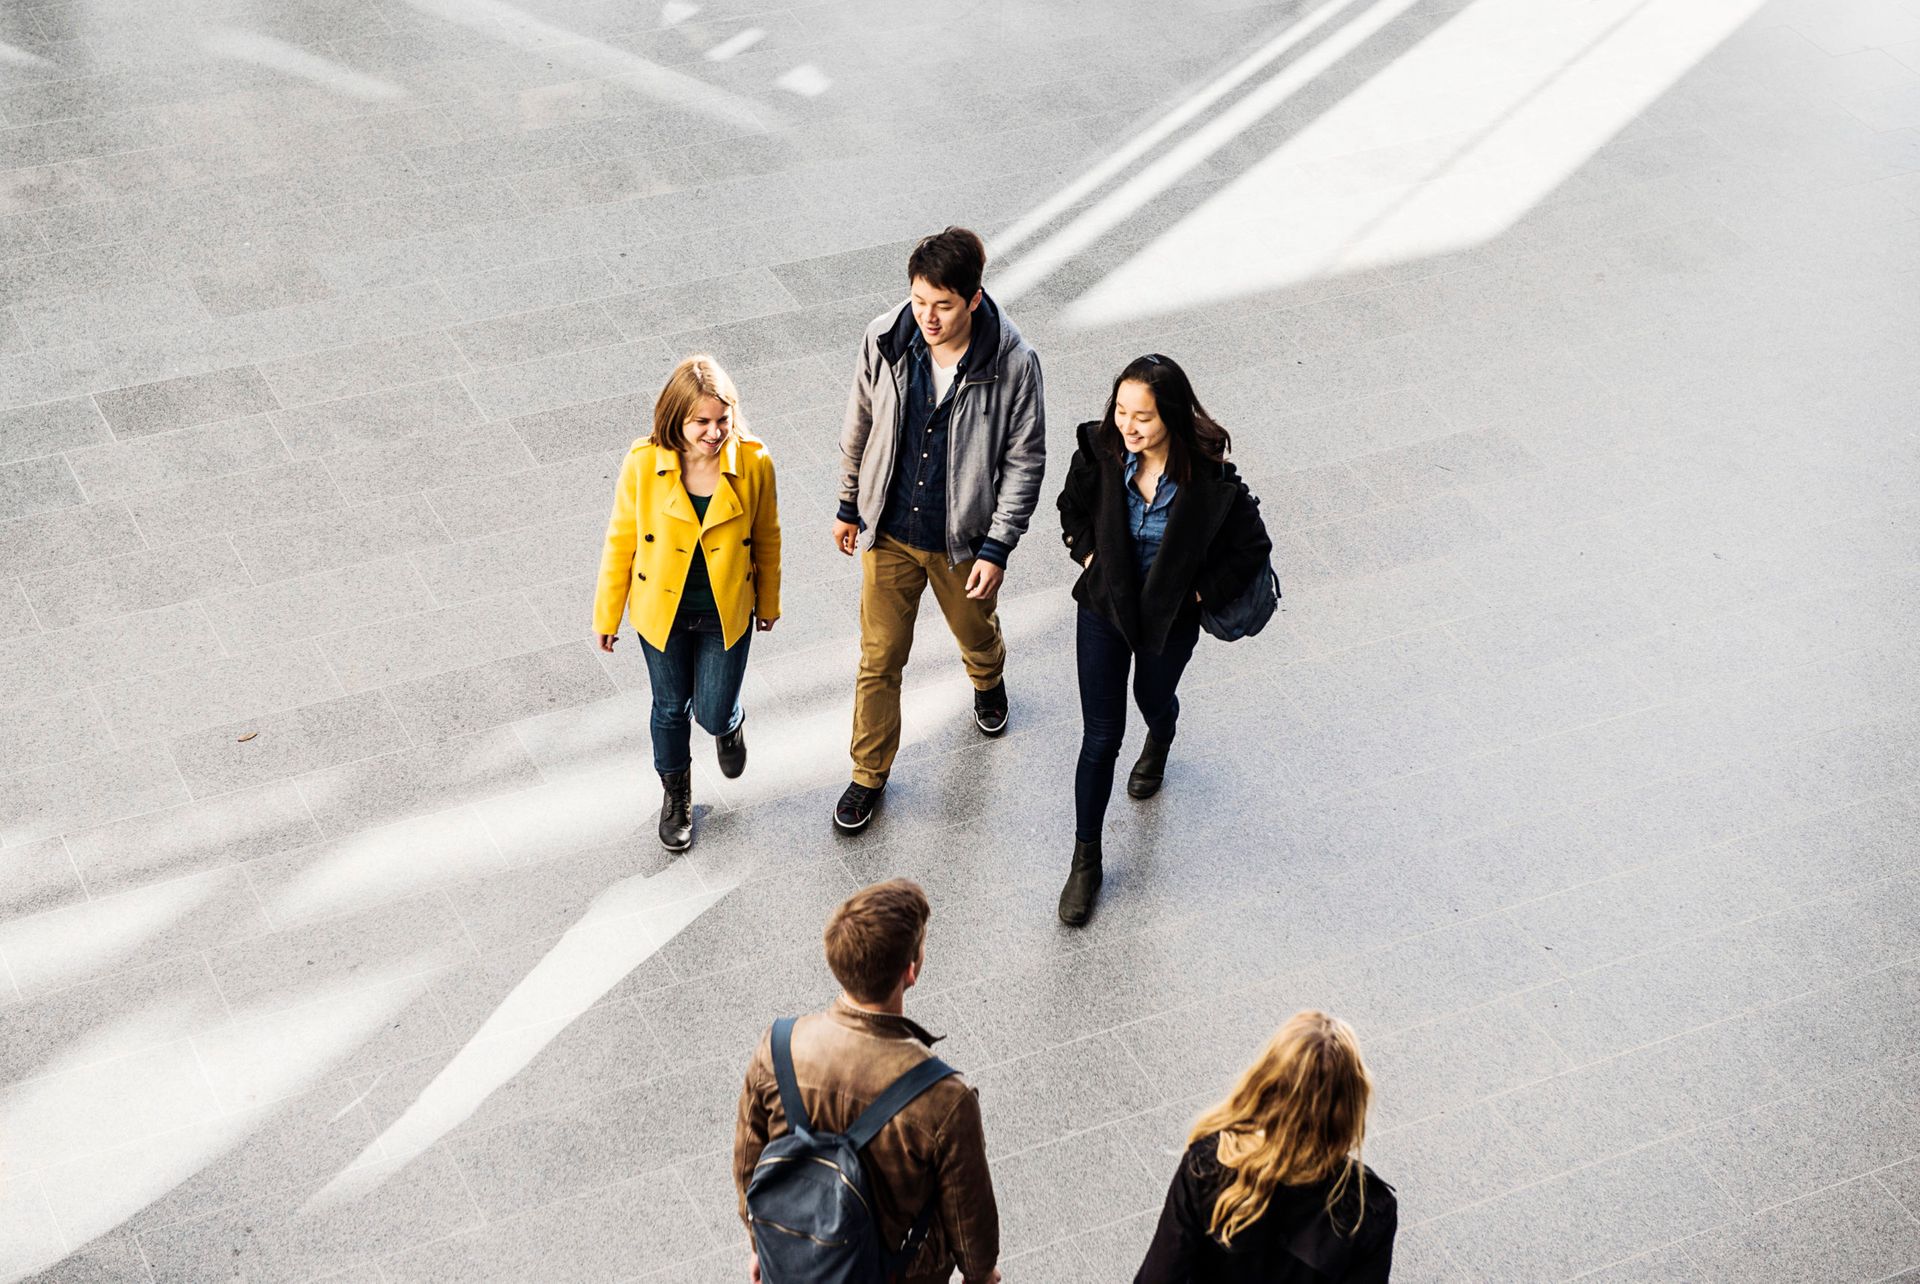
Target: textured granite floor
1574, 349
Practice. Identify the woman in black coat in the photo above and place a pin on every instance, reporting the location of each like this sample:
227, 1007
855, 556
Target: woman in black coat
1161, 523
1272, 1189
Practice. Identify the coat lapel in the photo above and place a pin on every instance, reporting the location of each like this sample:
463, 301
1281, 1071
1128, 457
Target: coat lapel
724, 505
1110, 532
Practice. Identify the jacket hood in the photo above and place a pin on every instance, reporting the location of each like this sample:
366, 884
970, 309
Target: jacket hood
993, 332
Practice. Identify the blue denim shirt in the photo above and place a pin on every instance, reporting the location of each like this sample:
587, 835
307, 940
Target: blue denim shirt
916, 512
1147, 523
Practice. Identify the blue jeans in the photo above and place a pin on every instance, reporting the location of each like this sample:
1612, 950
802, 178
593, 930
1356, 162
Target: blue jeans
1104, 656
697, 678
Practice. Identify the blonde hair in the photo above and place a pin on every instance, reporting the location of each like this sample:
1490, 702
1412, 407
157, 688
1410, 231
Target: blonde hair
696, 377
1298, 1115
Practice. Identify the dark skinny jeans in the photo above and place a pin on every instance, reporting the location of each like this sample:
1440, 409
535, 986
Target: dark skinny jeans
1105, 657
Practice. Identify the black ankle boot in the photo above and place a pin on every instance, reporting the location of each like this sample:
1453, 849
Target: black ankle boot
1083, 884
1144, 780
731, 749
676, 810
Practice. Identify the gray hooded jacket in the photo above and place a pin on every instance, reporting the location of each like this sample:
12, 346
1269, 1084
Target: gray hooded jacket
997, 444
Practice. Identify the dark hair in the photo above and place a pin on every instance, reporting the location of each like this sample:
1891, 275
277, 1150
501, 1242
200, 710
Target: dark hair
874, 935
1191, 430
952, 260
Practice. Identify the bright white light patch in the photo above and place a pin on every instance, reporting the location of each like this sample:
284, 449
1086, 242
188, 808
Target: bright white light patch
738, 43
20, 57
1445, 147
806, 80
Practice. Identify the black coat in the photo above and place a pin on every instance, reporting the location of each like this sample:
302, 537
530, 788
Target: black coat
1294, 1242
1215, 543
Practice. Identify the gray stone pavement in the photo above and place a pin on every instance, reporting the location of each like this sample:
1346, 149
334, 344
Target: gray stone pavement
1573, 349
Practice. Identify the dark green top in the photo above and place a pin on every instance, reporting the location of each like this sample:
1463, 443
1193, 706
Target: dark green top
698, 593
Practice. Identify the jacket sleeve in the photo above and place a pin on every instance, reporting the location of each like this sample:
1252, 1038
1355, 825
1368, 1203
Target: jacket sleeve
1240, 548
1023, 464
616, 558
1374, 1265
1077, 500
855, 428
1174, 1255
766, 543
750, 1130
967, 1207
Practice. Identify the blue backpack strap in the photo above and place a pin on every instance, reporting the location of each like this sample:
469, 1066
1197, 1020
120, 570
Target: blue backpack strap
895, 1099
897, 1263
796, 1110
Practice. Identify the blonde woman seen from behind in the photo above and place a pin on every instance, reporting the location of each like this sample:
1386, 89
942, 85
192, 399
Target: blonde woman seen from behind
1272, 1188
693, 558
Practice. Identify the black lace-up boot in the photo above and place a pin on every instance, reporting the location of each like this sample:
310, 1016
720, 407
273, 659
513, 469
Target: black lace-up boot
676, 810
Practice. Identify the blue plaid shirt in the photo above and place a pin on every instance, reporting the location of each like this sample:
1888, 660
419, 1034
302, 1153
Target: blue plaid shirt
1147, 523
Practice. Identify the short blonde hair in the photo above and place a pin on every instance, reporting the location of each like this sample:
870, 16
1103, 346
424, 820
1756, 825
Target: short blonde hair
696, 377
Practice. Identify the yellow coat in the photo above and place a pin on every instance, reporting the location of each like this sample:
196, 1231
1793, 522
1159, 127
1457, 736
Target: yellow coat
650, 542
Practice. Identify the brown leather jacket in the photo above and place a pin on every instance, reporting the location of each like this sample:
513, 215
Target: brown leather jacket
935, 1148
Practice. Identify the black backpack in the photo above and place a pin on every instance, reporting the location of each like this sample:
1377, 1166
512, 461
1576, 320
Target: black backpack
1248, 613
808, 1199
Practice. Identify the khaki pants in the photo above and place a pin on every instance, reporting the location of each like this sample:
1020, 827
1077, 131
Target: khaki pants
892, 577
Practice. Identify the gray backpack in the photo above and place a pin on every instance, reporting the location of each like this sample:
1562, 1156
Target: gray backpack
808, 1199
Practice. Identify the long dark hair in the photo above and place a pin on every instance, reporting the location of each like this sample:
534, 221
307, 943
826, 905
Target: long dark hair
1191, 431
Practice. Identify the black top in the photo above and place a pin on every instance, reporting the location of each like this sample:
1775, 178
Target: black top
1215, 543
1294, 1242
697, 593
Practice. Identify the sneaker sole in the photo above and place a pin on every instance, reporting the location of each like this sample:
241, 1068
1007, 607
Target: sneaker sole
684, 847
845, 828
992, 732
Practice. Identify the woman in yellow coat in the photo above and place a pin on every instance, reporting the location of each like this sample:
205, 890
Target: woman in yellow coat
693, 558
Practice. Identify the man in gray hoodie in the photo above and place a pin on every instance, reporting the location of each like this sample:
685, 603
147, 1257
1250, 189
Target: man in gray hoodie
941, 457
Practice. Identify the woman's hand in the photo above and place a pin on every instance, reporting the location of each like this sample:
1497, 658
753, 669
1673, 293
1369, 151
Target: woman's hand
765, 626
606, 642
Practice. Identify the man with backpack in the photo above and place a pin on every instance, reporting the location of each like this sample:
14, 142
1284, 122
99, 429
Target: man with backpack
860, 1156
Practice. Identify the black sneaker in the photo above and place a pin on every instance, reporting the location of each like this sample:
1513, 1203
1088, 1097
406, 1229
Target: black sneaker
856, 807
990, 709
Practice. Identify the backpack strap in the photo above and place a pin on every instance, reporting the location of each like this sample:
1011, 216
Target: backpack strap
897, 1263
796, 1110
895, 1099
888, 1104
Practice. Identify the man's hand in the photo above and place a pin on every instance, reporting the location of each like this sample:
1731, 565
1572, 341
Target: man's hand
845, 536
984, 580
991, 1279
766, 626
754, 1268
606, 642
